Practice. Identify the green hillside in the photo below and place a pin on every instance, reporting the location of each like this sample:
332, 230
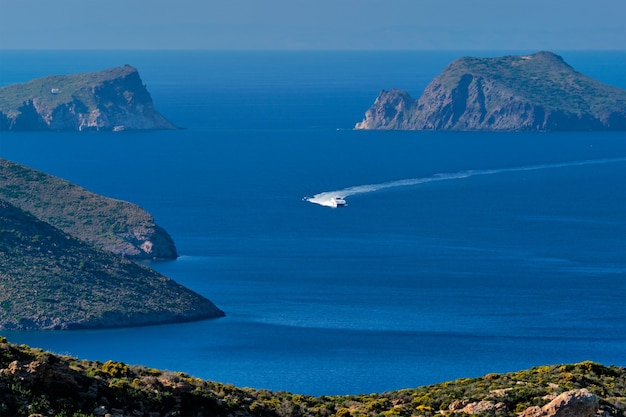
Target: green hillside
50, 280
113, 225
543, 79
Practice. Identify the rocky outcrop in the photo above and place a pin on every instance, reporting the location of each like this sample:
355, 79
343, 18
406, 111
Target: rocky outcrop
478, 407
538, 92
113, 225
391, 111
113, 99
576, 403
141, 240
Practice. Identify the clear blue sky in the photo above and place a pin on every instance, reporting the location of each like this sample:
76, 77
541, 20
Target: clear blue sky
313, 24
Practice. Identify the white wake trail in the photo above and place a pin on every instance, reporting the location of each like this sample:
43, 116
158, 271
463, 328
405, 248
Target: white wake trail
328, 198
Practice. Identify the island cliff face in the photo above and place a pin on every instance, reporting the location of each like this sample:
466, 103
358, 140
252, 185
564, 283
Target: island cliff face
112, 225
537, 92
113, 99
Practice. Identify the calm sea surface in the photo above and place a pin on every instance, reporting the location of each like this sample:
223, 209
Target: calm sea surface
459, 254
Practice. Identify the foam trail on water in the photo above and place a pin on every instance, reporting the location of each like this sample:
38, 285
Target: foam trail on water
328, 198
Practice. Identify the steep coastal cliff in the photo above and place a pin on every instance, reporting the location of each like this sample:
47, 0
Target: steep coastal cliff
537, 92
51, 281
113, 99
112, 225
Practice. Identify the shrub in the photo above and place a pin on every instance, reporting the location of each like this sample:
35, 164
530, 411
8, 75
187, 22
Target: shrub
115, 369
343, 412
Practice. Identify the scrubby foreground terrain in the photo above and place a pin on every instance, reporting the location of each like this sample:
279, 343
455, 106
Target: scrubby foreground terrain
34, 382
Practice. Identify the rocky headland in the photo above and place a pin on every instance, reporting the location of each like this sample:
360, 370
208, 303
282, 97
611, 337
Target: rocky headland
114, 99
538, 92
50, 280
38, 383
66, 259
113, 225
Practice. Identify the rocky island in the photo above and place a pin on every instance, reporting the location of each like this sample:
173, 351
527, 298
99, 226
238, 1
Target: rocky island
114, 99
538, 92
112, 225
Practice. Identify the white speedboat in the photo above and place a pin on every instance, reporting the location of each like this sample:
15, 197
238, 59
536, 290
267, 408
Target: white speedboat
339, 202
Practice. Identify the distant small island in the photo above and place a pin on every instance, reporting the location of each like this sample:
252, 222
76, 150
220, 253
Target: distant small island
538, 92
111, 100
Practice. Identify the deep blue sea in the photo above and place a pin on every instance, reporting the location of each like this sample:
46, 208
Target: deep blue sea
459, 254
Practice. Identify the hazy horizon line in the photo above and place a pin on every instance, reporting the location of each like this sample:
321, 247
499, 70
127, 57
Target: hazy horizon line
311, 50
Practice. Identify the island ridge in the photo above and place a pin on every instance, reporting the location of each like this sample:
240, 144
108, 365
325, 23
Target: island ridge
537, 92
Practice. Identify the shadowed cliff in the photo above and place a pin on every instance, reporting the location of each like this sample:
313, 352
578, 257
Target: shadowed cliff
112, 225
49, 280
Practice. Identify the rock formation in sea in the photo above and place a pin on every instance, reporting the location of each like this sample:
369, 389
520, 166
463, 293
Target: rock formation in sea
112, 225
538, 92
114, 99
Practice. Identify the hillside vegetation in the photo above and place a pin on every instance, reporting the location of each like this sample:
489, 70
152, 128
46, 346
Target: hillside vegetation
50, 280
544, 79
36, 382
112, 225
